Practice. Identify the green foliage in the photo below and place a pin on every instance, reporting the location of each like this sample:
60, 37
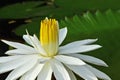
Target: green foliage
89, 4
17, 10
57, 8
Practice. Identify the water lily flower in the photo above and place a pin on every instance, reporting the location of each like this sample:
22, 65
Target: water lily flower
42, 58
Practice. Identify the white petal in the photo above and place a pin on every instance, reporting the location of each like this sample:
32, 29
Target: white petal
69, 60
98, 73
72, 76
80, 49
46, 72
33, 40
62, 34
33, 73
28, 39
90, 59
9, 58
4, 67
83, 72
20, 51
38, 45
18, 45
79, 43
59, 70
15, 74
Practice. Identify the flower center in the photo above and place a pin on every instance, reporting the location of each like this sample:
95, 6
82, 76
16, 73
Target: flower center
49, 36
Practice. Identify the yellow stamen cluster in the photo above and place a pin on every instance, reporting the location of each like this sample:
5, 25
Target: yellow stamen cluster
49, 36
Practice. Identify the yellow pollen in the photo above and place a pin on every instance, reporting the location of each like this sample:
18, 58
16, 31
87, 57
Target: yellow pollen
49, 36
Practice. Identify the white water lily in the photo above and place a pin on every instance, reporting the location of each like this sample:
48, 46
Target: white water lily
44, 57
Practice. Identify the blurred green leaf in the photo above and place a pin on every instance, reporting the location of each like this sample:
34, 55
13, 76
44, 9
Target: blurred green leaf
58, 8
89, 4
20, 10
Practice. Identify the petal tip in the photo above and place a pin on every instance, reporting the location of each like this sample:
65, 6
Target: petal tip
3, 40
65, 29
96, 39
98, 46
106, 65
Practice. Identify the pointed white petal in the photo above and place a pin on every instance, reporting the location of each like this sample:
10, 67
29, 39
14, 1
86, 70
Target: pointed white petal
79, 43
9, 58
72, 76
33, 73
33, 40
38, 45
28, 40
62, 34
69, 60
15, 74
80, 49
18, 45
98, 73
83, 72
46, 72
90, 59
4, 67
20, 51
59, 70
